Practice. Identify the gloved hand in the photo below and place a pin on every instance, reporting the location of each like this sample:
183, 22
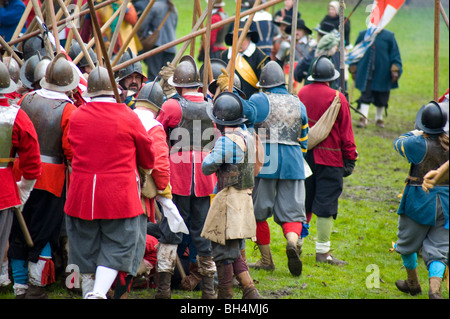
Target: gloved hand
417, 132
167, 71
349, 165
283, 51
395, 73
167, 192
223, 80
25, 187
352, 69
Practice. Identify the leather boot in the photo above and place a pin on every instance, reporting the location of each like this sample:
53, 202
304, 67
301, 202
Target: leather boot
163, 287
193, 279
266, 261
225, 285
36, 292
208, 291
294, 263
249, 290
411, 285
435, 291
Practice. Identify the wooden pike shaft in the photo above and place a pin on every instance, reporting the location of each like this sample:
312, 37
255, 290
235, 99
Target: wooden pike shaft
234, 48
206, 48
192, 35
102, 29
102, 46
133, 31
293, 48
61, 22
23, 227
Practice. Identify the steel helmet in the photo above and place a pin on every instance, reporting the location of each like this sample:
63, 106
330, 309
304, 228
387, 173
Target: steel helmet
99, 83
41, 68
27, 70
271, 76
431, 118
60, 75
151, 95
186, 74
323, 70
75, 50
227, 110
132, 68
6, 84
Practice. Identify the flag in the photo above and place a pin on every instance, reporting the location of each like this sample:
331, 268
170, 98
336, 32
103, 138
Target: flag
382, 13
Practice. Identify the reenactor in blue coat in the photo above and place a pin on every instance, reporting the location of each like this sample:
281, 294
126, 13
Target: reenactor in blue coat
376, 74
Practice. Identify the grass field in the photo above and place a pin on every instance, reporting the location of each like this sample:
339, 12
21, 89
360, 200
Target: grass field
367, 222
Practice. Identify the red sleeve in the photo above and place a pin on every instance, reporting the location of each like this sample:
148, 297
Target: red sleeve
68, 110
161, 171
170, 114
145, 154
348, 140
215, 18
25, 143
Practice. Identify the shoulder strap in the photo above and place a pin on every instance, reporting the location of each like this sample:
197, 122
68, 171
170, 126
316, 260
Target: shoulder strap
322, 128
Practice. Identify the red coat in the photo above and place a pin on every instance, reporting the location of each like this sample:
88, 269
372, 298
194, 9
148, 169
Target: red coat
25, 143
182, 167
161, 169
108, 142
317, 97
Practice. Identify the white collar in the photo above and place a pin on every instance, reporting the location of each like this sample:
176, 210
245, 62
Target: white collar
304, 40
248, 52
53, 95
103, 99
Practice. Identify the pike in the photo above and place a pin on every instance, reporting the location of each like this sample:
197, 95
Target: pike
192, 35
206, 48
133, 31
234, 48
293, 47
61, 22
103, 48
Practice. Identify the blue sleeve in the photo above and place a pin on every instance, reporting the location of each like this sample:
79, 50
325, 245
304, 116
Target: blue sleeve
256, 108
411, 147
224, 151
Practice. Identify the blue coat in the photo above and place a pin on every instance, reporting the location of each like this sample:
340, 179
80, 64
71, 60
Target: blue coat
280, 161
416, 203
9, 18
383, 53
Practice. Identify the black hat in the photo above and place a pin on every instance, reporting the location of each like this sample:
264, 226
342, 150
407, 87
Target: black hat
431, 118
300, 25
325, 28
227, 110
251, 33
323, 70
286, 20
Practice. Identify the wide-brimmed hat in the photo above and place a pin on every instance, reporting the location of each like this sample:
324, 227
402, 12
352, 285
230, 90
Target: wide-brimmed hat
252, 33
286, 20
325, 27
300, 25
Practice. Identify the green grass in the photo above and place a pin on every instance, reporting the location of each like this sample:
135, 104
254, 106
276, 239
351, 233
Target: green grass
367, 221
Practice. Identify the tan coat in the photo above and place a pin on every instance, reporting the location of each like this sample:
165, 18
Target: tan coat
230, 216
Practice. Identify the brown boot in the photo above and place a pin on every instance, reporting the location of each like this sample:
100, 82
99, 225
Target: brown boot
163, 287
225, 285
330, 259
362, 122
249, 290
208, 291
266, 261
435, 291
411, 285
35, 292
193, 279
